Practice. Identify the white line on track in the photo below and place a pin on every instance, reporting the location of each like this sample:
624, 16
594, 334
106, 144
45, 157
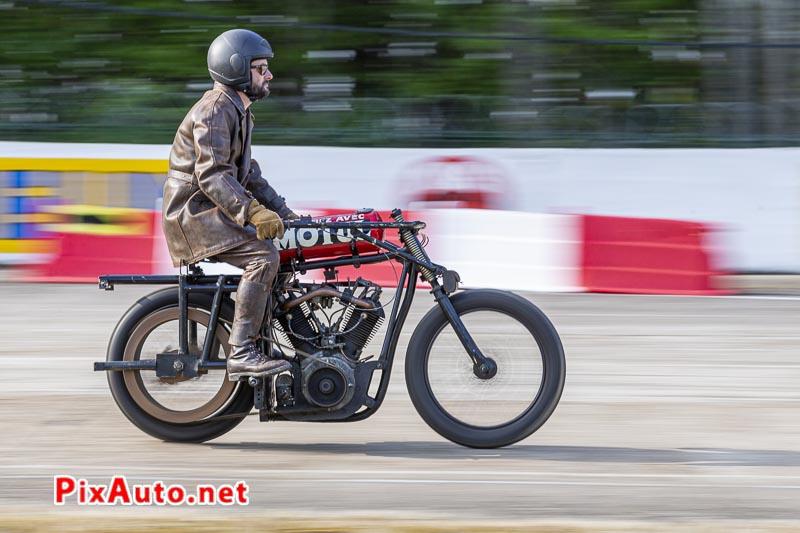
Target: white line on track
673, 336
101, 390
288, 472
789, 297
573, 397
339, 481
677, 398
733, 314
669, 365
563, 483
591, 364
46, 359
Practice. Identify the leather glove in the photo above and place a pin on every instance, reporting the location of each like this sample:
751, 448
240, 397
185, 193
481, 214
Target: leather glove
292, 216
268, 224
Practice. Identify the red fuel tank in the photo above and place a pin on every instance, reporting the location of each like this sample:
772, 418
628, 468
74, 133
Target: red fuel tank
325, 243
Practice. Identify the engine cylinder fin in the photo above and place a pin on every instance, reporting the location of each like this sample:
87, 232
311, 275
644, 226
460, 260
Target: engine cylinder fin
280, 328
299, 329
360, 328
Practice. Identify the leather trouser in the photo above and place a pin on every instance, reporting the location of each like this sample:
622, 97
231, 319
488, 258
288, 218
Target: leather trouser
259, 260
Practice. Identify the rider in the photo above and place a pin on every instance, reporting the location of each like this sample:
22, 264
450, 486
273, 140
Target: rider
217, 204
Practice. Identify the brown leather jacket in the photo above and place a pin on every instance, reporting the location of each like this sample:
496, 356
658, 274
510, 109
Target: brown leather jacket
212, 180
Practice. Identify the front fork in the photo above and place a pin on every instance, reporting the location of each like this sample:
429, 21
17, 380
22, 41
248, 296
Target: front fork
483, 367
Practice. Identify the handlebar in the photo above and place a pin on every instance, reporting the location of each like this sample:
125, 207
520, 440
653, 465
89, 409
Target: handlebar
306, 222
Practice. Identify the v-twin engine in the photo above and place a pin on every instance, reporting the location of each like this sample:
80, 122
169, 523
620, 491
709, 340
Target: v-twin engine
329, 325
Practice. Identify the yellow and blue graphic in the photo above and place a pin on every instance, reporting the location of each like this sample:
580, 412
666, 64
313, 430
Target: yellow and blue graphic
40, 198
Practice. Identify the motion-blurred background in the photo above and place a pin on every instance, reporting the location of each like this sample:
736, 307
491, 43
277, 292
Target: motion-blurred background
487, 105
536, 73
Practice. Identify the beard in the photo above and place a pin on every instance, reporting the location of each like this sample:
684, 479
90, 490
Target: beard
257, 92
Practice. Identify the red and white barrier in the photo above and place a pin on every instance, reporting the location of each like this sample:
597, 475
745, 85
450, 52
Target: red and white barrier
753, 193
80, 257
498, 249
647, 256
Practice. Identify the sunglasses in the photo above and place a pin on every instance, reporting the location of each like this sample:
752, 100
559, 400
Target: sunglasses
262, 69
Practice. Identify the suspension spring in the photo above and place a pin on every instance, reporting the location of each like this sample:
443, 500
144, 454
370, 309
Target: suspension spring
412, 243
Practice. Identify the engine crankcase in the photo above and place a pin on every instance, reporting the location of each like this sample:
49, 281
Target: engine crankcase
328, 380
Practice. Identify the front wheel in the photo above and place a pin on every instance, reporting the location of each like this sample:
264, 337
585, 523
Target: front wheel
501, 410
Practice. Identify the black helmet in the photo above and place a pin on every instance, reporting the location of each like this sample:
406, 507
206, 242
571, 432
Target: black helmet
230, 54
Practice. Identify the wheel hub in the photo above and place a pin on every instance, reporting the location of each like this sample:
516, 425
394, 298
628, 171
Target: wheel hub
486, 370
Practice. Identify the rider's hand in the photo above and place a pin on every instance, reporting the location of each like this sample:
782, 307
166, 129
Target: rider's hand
268, 224
292, 216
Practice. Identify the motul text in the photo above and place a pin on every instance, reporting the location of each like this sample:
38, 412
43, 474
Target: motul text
307, 238
120, 492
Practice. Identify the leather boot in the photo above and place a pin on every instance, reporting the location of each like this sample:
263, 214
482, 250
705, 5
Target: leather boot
245, 358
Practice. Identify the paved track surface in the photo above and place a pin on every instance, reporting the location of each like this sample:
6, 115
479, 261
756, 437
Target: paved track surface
675, 409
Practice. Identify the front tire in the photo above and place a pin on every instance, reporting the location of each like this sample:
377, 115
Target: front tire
186, 411
501, 410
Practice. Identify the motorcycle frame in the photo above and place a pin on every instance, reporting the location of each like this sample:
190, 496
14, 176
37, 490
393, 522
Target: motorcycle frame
412, 256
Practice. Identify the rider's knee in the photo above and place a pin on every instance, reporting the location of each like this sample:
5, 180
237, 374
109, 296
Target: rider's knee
263, 267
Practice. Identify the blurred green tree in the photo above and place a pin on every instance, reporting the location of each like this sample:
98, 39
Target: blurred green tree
364, 72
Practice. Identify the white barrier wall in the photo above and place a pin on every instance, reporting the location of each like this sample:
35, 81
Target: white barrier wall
489, 249
752, 195
507, 250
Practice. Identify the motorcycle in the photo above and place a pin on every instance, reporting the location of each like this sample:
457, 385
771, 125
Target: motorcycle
484, 368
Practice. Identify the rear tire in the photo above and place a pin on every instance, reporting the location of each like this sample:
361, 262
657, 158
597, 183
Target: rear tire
484, 413
129, 387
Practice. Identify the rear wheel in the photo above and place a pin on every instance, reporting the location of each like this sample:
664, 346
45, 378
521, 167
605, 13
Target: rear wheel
500, 410
175, 409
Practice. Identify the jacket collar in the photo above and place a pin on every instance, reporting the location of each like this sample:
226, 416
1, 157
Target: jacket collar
232, 95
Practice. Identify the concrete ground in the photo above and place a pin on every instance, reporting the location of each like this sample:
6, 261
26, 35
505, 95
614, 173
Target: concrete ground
678, 414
